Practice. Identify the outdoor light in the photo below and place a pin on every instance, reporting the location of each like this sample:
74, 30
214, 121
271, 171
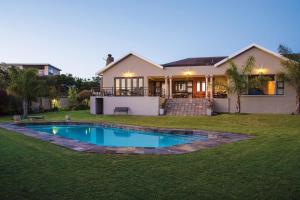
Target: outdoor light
188, 72
128, 74
55, 103
261, 70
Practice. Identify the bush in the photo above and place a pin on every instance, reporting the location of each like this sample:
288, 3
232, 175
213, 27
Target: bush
84, 94
9, 105
81, 107
73, 98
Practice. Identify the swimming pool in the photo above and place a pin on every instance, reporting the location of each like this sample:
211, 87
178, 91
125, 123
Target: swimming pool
116, 137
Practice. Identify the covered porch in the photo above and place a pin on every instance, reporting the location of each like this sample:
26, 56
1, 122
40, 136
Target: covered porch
208, 86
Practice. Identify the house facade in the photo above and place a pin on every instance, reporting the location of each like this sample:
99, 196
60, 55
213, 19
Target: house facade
44, 69
183, 87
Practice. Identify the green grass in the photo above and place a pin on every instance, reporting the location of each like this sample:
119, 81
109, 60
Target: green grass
266, 167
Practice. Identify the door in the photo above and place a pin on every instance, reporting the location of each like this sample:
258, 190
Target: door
199, 88
99, 106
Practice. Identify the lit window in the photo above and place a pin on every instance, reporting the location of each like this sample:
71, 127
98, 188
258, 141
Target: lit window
203, 86
141, 82
129, 86
270, 87
198, 86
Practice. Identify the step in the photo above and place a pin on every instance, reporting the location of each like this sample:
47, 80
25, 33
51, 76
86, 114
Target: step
186, 106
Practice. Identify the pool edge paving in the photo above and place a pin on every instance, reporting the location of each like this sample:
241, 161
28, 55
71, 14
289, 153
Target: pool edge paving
214, 139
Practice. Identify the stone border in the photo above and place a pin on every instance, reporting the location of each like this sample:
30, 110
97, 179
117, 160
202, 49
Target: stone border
214, 138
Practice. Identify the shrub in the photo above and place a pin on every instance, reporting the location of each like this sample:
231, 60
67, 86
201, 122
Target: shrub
84, 94
9, 104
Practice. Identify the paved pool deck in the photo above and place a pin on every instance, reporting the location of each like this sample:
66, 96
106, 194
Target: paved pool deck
214, 138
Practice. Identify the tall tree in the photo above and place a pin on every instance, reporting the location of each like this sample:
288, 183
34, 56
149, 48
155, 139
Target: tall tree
239, 82
291, 75
24, 83
3, 76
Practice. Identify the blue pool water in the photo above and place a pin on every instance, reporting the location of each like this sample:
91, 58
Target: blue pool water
116, 137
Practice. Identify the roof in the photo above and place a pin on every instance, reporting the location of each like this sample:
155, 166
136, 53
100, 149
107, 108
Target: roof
248, 48
33, 65
122, 58
199, 61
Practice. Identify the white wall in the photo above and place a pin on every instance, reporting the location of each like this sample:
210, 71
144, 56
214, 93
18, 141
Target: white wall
93, 105
221, 105
143, 105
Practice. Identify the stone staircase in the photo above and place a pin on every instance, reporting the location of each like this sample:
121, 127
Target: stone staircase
186, 106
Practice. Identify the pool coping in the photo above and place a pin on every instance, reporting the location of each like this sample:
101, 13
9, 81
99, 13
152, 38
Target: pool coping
214, 138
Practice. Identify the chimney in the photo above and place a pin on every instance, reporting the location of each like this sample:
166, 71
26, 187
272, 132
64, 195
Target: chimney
109, 59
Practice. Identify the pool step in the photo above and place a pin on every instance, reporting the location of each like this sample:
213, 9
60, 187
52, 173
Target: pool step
186, 106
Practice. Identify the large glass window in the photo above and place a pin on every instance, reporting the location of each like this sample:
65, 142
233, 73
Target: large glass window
268, 86
129, 86
220, 87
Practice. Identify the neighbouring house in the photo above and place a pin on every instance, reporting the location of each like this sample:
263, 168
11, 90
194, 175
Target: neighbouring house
184, 87
44, 69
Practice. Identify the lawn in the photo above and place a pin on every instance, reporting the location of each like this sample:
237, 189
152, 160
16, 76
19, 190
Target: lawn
266, 167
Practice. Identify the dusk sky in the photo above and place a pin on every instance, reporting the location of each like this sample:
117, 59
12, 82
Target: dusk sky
76, 35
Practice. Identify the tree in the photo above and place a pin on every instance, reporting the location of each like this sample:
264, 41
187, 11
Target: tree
292, 72
3, 76
24, 83
72, 97
239, 80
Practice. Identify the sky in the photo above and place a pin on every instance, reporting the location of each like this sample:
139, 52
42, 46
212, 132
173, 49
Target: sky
76, 35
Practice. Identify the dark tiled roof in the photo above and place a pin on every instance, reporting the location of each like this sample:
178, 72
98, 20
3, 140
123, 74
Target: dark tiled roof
201, 61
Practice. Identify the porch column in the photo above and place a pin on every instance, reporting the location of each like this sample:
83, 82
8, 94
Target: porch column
206, 86
211, 86
170, 88
166, 87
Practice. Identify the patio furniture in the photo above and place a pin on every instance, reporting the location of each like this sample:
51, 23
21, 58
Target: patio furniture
121, 110
32, 117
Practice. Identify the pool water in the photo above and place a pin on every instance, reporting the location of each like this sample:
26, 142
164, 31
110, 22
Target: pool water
116, 137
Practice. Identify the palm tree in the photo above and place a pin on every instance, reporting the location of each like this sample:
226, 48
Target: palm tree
25, 84
239, 82
292, 72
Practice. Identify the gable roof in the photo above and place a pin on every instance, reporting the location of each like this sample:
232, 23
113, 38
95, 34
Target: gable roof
122, 58
246, 49
199, 61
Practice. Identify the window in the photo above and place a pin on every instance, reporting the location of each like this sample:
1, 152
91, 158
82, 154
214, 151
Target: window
280, 88
180, 86
198, 86
270, 86
203, 85
220, 91
51, 71
220, 87
123, 85
129, 83
190, 87
134, 82
133, 86
141, 82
